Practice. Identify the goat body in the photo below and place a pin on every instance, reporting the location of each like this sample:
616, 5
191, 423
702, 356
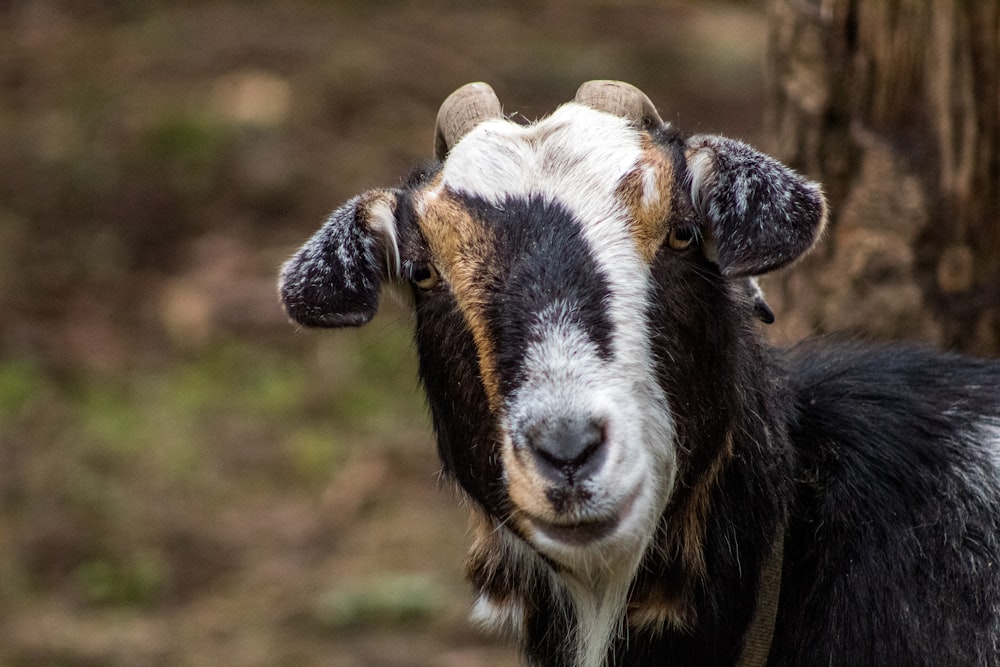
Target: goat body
640, 462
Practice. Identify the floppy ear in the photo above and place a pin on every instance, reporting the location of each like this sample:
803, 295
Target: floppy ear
334, 279
760, 214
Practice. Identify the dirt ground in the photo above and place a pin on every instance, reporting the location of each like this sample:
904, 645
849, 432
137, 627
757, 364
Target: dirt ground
185, 478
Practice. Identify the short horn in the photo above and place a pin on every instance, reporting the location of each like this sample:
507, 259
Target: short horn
460, 112
621, 99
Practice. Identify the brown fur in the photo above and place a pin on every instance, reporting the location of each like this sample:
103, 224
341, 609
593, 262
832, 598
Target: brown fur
463, 249
648, 211
527, 489
661, 602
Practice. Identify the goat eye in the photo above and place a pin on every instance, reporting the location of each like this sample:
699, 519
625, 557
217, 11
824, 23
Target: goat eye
423, 275
681, 238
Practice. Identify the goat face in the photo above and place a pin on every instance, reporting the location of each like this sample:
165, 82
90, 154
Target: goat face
543, 237
545, 262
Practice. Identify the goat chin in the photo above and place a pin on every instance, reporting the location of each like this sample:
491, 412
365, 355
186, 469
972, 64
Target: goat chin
594, 548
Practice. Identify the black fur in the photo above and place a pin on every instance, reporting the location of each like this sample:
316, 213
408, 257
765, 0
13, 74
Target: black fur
541, 260
892, 549
726, 381
897, 507
467, 440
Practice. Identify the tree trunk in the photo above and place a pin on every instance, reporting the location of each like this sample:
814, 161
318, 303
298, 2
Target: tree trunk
894, 106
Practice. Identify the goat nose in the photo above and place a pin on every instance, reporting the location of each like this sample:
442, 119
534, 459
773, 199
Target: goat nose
568, 450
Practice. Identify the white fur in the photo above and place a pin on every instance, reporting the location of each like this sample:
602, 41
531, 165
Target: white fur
381, 218
991, 432
577, 157
701, 170
650, 191
985, 432
504, 618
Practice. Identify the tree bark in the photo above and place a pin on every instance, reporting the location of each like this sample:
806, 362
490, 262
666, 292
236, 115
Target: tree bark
894, 105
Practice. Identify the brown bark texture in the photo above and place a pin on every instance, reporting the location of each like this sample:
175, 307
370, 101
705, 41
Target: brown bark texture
894, 105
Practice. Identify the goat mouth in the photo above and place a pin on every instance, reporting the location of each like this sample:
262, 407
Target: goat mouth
582, 533
577, 534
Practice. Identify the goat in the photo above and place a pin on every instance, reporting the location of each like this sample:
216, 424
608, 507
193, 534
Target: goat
650, 482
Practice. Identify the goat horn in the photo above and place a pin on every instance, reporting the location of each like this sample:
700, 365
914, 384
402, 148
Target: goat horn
460, 112
621, 99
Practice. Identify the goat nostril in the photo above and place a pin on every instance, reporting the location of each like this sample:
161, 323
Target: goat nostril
591, 440
568, 449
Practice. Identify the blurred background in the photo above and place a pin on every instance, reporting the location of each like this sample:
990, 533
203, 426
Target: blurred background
186, 478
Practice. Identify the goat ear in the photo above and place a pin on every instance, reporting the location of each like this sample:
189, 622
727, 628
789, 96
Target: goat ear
760, 214
335, 278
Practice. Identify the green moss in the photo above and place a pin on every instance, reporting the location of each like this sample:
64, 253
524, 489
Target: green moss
313, 454
389, 599
111, 420
21, 382
136, 581
188, 149
185, 140
239, 379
